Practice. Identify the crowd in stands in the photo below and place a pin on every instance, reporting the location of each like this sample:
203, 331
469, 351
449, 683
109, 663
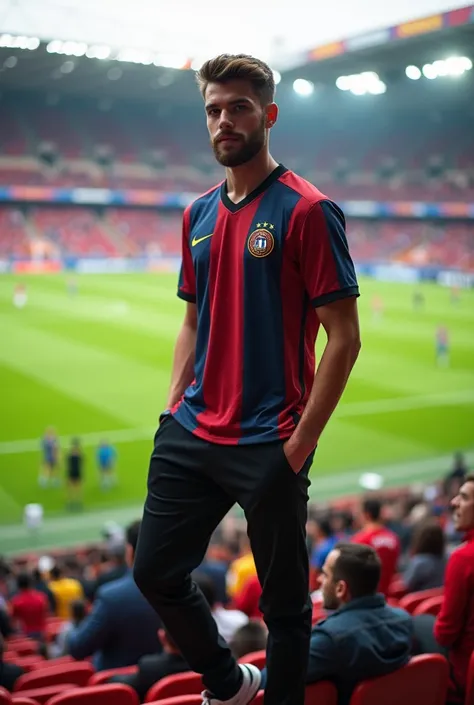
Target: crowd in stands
392, 577
47, 233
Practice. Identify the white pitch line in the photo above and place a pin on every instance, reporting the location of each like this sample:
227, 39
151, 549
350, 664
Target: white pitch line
377, 406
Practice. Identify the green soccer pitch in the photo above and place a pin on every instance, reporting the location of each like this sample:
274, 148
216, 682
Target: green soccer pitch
98, 365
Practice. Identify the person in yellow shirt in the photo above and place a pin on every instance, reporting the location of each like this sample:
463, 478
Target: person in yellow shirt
241, 569
65, 591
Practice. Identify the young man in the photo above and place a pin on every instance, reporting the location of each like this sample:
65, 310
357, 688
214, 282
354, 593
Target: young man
50, 453
454, 626
364, 637
387, 544
265, 262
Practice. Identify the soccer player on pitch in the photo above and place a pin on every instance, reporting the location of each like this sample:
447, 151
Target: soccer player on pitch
265, 263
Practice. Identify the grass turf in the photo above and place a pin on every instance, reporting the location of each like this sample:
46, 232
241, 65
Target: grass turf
99, 364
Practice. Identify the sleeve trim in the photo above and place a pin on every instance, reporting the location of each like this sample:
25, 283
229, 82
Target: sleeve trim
190, 298
329, 298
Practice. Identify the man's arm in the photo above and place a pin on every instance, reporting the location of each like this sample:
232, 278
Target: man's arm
323, 658
341, 323
91, 635
452, 616
184, 356
330, 280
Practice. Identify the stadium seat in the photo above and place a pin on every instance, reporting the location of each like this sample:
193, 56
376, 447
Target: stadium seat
397, 589
77, 673
188, 683
470, 682
103, 676
423, 680
5, 698
27, 663
322, 693
43, 695
430, 606
22, 646
179, 700
413, 599
54, 662
18, 700
109, 694
258, 658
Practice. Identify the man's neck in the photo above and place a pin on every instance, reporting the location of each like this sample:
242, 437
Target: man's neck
242, 180
373, 526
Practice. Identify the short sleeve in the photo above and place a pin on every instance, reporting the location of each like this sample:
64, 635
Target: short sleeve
325, 262
187, 277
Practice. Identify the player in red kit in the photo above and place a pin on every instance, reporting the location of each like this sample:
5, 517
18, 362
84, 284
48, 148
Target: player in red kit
265, 263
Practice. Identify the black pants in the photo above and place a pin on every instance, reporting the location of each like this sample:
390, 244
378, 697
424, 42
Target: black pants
192, 484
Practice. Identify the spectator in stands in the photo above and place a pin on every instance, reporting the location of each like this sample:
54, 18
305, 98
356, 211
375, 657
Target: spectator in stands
241, 569
78, 614
325, 542
364, 637
456, 476
215, 566
117, 568
29, 608
6, 628
428, 562
249, 638
9, 672
454, 626
248, 601
383, 540
122, 627
227, 620
65, 591
154, 667
40, 584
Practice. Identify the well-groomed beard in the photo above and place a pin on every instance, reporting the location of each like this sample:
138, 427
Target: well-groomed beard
244, 151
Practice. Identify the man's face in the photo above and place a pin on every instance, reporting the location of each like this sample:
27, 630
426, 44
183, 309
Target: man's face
331, 590
463, 505
236, 122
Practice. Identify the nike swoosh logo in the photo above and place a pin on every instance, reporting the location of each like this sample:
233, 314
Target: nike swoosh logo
196, 240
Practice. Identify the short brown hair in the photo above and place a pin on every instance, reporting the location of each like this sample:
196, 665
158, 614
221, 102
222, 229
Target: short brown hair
428, 537
231, 67
359, 566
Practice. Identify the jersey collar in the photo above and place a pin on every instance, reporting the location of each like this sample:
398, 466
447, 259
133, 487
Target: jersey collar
271, 178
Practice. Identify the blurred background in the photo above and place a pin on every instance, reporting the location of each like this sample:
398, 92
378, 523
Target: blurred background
103, 143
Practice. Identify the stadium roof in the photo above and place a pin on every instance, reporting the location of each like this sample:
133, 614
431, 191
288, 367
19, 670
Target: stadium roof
277, 31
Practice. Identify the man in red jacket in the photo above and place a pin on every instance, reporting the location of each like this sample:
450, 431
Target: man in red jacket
454, 626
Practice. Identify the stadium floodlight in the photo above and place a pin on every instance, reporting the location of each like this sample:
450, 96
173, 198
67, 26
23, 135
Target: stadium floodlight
276, 77
377, 88
429, 71
98, 51
413, 72
344, 83
457, 65
19, 42
54, 47
303, 87
172, 61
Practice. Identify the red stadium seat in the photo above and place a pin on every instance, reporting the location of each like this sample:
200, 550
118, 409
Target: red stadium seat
188, 683
179, 700
322, 693
5, 698
413, 599
397, 589
470, 683
424, 680
103, 676
109, 694
27, 663
43, 695
77, 673
22, 646
18, 700
430, 606
54, 662
258, 658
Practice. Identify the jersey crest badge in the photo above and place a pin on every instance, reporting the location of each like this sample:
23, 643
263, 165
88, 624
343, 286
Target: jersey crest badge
261, 243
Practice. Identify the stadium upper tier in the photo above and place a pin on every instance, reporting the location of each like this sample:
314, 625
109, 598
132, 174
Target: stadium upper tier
425, 155
45, 232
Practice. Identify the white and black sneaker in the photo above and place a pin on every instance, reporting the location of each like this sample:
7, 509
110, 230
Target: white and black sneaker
251, 680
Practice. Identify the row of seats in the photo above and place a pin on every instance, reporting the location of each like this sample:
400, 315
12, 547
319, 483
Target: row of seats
424, 680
